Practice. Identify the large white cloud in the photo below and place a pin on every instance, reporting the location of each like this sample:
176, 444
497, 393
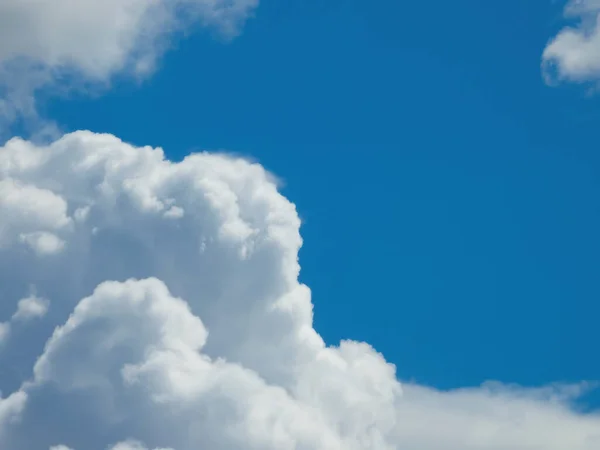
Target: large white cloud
574, 53
70, 42
182, 324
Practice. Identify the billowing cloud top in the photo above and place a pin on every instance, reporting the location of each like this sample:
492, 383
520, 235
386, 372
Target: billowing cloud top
169, 314
574, 54
182, 324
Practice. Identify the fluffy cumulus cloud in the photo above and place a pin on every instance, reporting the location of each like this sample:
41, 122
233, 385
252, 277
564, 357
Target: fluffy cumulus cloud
82, 42
574, 53
30, 308
169, 311
179, 322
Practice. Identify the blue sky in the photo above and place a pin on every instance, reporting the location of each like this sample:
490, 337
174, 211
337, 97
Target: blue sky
442, 160
450, 198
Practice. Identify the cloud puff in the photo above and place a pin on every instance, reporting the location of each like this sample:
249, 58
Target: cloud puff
125, 445
10, 408
31, 307
27, 308
190, 330
67, 43
574, 53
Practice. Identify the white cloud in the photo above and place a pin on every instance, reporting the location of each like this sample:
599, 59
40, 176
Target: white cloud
67, 42
125, 445
42, 242
10, 409
4, 331
195, 333
29, 213
574, 53
31, 307
27, 308
133, 445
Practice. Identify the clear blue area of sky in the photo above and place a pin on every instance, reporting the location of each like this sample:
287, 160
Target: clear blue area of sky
451, 200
